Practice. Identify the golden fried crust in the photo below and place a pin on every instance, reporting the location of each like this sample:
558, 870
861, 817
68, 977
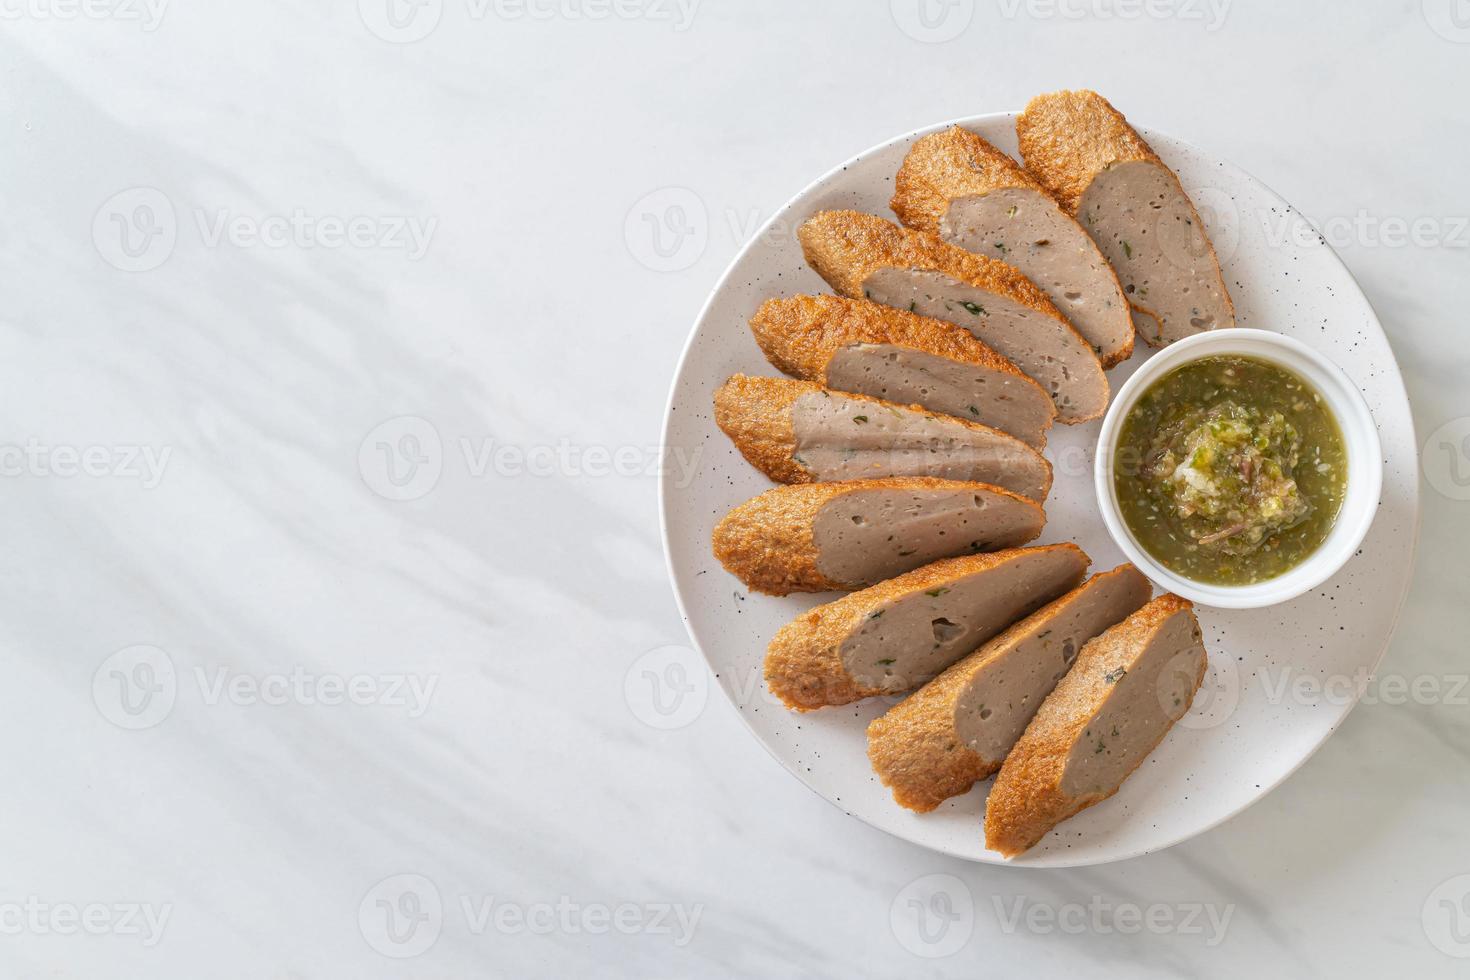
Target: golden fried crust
801, 334
803, 662
917, 754
944, 166
914, 748
1068, 138
1027, 801
767, 541
756, 414
845, 247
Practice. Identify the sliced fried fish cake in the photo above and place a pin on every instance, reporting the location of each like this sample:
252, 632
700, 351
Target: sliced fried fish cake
956, 185
800, 432
871, 349
958, 729
817, 537
863, 256
897, 635
1085, 152
1126, 690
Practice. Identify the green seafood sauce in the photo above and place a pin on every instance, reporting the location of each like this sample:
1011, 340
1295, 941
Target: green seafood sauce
1230, 470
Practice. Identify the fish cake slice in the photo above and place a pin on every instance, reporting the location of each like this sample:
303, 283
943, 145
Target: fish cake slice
1126, 690
871, 349
899, 634
799, 432
958, 729
1085, 152
956, 185
863, 256
816, 537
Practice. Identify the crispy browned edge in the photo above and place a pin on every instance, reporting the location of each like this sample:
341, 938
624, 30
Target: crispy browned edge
1027, 801
845, 247
955, 163
799, 335
914, 748
803, 662
755, 413
767, 541
1067, 138
942, 166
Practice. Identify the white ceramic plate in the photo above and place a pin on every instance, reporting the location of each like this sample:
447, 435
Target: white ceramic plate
1281, 679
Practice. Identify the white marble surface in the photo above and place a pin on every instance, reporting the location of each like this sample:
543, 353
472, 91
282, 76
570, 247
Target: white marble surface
257, 707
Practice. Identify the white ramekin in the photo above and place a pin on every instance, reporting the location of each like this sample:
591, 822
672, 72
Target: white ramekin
1360, 440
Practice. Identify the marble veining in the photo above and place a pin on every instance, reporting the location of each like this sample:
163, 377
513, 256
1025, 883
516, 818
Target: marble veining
335, 343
